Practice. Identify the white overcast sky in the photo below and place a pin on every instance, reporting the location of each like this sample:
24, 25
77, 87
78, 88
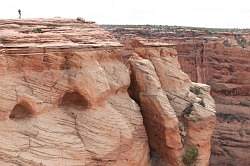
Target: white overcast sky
202, 13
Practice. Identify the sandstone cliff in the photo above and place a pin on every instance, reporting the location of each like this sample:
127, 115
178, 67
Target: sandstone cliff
220, 58
227, 71
178, 119
64, 99
71, 94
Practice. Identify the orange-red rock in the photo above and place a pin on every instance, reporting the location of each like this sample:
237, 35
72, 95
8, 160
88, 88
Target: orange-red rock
64, 99
175, 118
220, 58
226, 69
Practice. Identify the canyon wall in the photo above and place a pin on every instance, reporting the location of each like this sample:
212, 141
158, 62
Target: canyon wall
71, 94
221, 59
64, 97
227, 70
178, 114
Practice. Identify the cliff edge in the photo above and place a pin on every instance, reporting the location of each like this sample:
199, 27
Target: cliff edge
71, 94
221, 59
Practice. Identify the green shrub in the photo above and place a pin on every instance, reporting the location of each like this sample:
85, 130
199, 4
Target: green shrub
37, 30
195, 90
80, 19
190, 156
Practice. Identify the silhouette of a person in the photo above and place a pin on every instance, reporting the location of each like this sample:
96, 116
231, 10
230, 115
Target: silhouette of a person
20, 13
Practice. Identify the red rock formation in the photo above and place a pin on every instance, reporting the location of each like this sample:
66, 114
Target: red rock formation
64, 99
220, 59
227, 71
176, 119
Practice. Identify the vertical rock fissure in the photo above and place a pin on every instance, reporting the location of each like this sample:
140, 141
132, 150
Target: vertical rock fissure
74, 116
171, 112
159, 118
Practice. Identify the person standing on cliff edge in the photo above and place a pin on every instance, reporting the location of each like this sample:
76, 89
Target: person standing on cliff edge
20, 13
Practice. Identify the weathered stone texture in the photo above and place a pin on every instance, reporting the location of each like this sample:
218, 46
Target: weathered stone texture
71, 94
222, 60
175, 118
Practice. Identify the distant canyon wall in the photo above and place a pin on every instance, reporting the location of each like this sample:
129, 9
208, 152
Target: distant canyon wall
227, 71
221, 59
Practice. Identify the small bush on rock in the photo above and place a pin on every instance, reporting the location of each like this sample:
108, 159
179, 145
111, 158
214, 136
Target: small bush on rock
195, 90
37, 30
80, 19
190, 156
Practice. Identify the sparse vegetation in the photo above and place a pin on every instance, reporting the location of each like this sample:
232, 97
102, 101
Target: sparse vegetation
195, 90
37, 30
187, 111
25, 31
241, 41
167, 28
231, 117
202, 103
80, 19
208, 32
190, 156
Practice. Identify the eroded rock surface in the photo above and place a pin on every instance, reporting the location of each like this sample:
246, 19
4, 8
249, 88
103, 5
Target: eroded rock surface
176, 118
227, 71
64, 99
220, 58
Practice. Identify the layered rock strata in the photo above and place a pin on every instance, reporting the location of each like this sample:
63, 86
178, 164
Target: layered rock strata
220, 58
227, 71
64, 99
177, 117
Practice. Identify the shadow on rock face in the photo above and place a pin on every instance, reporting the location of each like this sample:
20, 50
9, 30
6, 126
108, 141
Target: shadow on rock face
20, 112
74, 99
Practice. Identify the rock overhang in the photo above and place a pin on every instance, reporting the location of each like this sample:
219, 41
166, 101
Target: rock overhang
82, 59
